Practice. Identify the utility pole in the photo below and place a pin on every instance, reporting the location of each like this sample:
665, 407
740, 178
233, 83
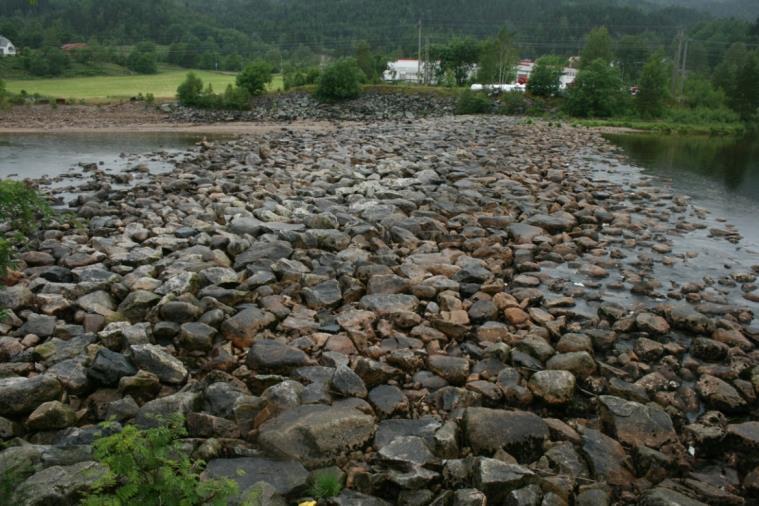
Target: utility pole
427, 63
684, 67
419, 53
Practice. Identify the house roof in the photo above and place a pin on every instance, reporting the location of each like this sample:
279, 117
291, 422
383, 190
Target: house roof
5, 42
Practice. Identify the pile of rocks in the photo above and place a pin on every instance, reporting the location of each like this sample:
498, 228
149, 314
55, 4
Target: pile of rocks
295, 106
445, 312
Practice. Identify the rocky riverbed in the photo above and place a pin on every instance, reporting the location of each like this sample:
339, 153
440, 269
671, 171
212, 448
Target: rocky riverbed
446, 311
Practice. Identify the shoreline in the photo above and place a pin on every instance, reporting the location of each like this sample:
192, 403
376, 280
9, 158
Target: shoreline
231, 128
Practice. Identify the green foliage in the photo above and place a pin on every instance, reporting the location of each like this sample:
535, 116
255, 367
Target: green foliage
700, 92
597, 92
498, 56
189, 93
326, 484
743, 93
254, 77
340, 81
48, 62
513, 103
654, 88
143, 59
702, 115
151, 467
545, 80
294, 78
471, 102
597, 46
458, 58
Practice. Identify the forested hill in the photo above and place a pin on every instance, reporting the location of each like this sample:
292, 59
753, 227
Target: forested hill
329, 25
332, 27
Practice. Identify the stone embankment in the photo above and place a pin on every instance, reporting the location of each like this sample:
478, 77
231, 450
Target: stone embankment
448, 311
303, 106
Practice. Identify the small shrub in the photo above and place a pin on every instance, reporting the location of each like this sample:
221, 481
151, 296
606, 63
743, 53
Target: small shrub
513, 103
254, 77
326, 484
470, 102
301, 77
190, 91
340, 81
151, 467
142, 62
545, 80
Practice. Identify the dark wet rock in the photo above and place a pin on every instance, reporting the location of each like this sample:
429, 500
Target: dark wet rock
39, 325
316, 434
157, 411
636, 424
109, 367
518, 432
719, 394
352, 498
326, 294
285, 476
651, 323
409, 450
579, 363
388, 399
22, 395
453, 369
196, 336
661, 496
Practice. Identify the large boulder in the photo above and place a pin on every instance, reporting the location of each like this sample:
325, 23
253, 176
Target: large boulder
520, 433
59, 484
606, 458
19, 396
316, 434
153, 358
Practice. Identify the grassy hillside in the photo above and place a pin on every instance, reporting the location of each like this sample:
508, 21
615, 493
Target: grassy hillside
162, 85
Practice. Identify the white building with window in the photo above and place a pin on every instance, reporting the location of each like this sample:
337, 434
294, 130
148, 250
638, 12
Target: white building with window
6, 47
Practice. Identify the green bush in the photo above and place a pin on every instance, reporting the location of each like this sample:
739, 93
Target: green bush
545, 80
700, 92
254, 77
23, 209
654, 88
340, 81
471, 102
142, 61
701, 115
326, 484
597, 92
294, 78
189, 93
152, 467
513, 103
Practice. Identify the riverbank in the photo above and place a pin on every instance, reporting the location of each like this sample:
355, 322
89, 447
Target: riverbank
445, 309
612, 125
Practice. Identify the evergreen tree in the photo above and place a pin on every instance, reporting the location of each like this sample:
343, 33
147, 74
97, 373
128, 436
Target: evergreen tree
744, 98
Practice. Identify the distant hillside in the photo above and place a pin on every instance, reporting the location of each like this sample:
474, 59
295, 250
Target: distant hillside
745, 9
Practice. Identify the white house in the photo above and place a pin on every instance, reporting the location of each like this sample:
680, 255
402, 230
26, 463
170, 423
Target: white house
6, 47
404, 70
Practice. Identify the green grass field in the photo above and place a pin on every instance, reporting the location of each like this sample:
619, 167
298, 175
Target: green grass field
102, 88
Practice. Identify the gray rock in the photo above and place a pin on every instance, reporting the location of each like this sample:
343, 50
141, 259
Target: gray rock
16, 297
323, 295
496, 479
408, 450
39, 325
606, 458
285, 476
316, 434
154, 359
455, 370
137, 304
272, 356
661, 496
196, 336
156, 412
388, 399
557, 222
51, 415
384, 304
59, 484
347, 383
19, 395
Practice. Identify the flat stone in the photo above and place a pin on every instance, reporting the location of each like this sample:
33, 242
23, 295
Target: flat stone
286, 476
496, 479
269, 355
719, 394
316, 434
384, 304
243, 327
520, 433
636, 424
606, 458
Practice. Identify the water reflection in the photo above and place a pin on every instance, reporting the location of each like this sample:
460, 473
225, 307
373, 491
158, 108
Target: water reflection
732, 162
